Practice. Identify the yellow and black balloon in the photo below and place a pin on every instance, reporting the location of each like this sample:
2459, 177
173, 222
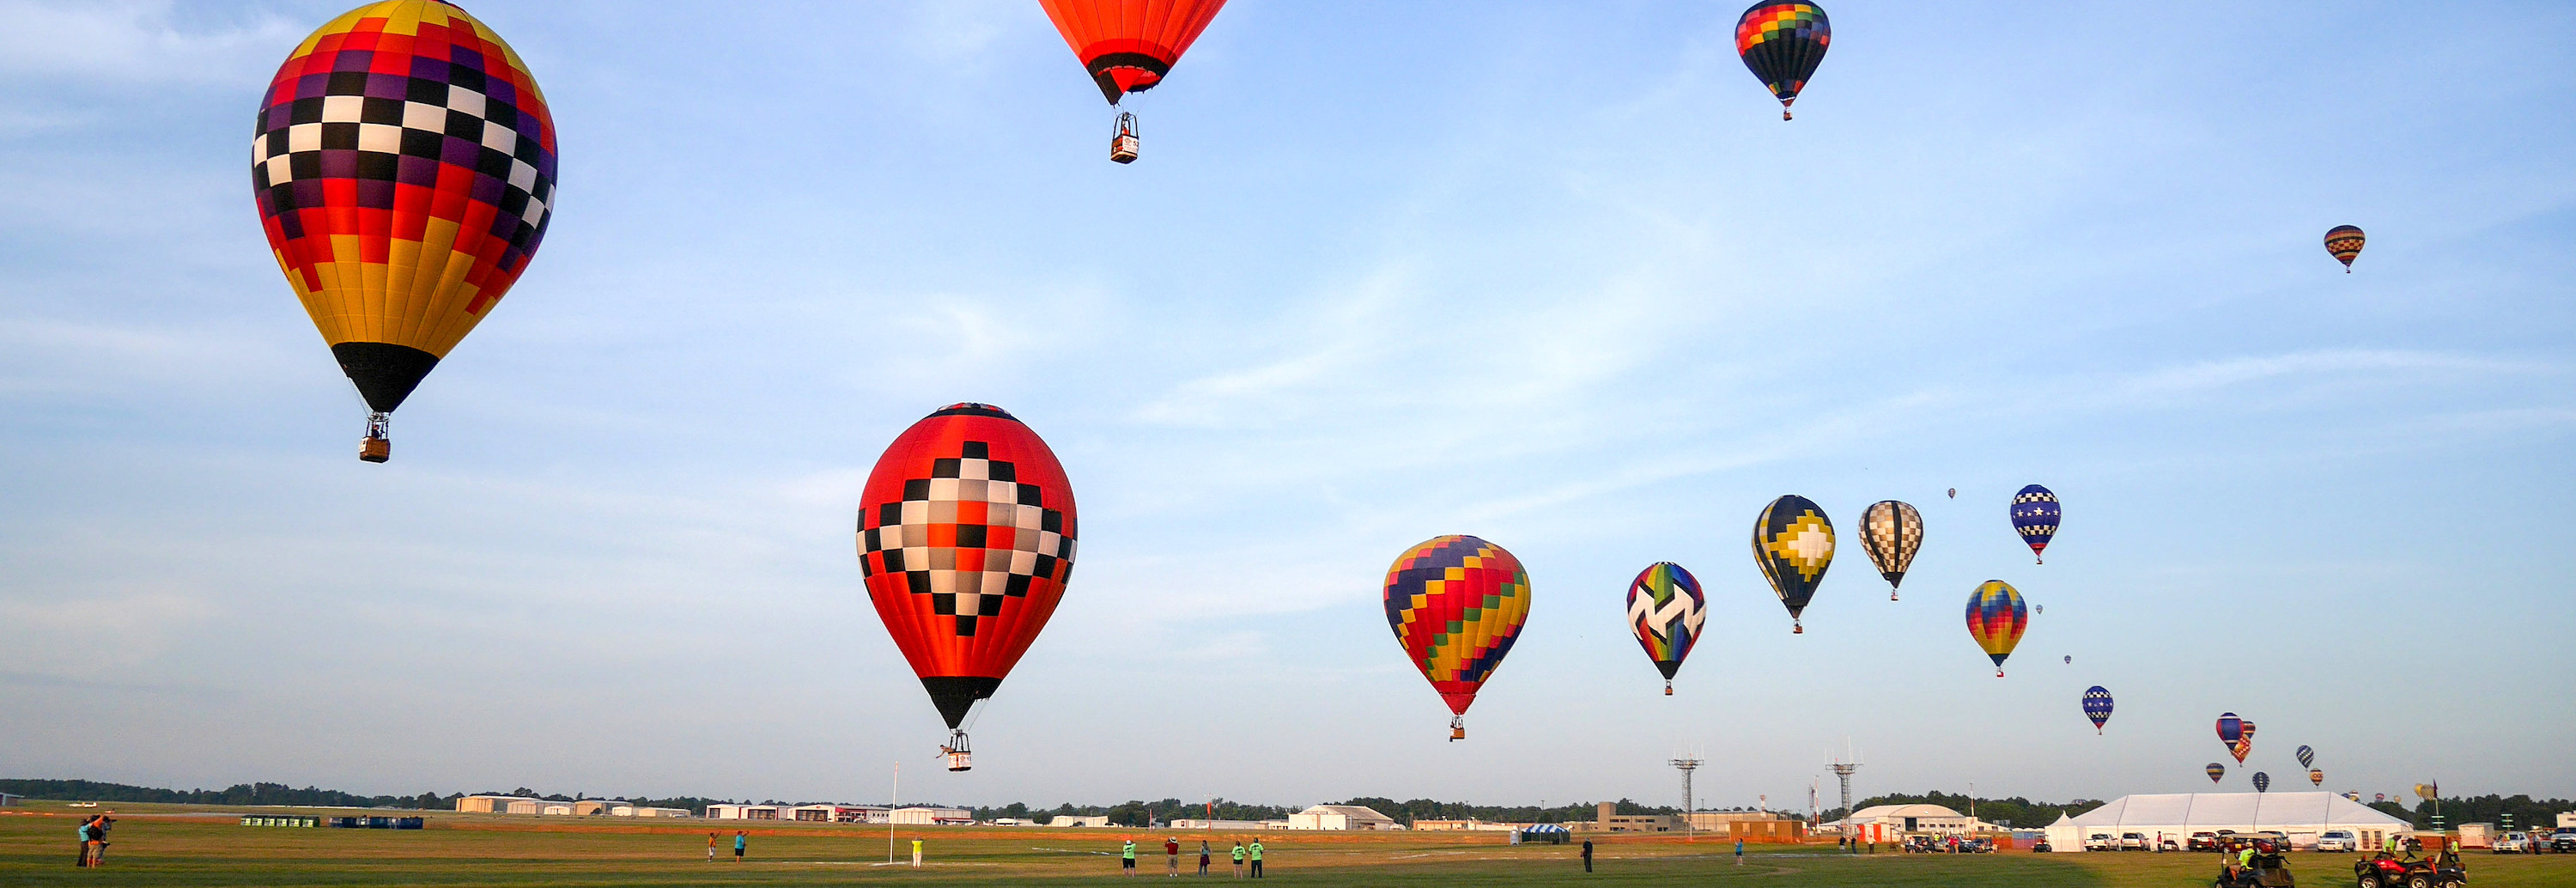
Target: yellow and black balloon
404, 165
1793, 543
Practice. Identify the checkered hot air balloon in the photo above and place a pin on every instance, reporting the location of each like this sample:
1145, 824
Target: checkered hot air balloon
2097, 706
1793, 543
2307, 757
966, 538
2215, 771
404, 165
1456, 604
2345, 242
1665, 611
1129, 46
2034, 516
1996, 619
1891, 532
1781, 43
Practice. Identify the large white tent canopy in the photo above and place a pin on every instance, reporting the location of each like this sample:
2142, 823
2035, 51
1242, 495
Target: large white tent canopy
2300, 815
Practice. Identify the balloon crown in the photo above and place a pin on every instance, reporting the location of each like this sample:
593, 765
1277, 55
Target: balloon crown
970, 408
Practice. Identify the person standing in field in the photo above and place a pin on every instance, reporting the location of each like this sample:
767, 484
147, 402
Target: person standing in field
1256, 858
82, 851
1739, 852
740, 841
1172, 856
1587, 855
916, 854
1238, 858
1127, 858
1203, 857
711, 846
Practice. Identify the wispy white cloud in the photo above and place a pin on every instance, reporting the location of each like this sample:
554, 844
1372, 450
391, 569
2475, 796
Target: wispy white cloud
126, 42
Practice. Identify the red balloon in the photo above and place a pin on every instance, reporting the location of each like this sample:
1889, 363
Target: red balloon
966, 536
1129, 45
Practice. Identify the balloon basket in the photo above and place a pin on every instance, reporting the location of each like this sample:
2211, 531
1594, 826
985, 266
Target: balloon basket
377, 446
960, 758
1891, 596
1797, 628
1457, 729
1123, 144
1668, 689
1999, 673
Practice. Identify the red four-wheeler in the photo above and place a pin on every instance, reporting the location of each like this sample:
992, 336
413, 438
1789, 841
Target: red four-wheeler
2381, 871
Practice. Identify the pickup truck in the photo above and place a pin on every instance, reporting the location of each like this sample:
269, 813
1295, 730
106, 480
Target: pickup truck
2564, 840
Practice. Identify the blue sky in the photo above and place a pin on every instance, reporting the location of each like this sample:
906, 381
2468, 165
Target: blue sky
1552, 274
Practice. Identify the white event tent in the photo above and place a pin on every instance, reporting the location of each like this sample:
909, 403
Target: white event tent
2299, 815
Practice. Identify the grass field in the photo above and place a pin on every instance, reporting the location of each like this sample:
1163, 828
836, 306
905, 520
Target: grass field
158, 845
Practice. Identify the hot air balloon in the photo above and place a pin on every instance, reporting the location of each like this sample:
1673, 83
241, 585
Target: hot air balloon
1996, 619
2345, 241
2070, 659
2215, 771
1781, 44
2034, 516
2097, 706
1665, 611
2316, 777
1129, 46
2245, 743
405, 172
1891, 532
2307, 757
1456, 603
966, 538
2230, 728
1793, 542
1954, 493
2262, 782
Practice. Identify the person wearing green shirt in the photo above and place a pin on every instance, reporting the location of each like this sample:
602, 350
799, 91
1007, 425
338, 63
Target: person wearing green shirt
1256, 858
1127, 859
1238, 858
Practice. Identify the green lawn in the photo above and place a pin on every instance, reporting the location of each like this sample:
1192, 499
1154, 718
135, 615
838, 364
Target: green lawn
173, 846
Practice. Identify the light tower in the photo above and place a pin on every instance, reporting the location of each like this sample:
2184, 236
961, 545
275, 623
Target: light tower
1843, 769
1687, 764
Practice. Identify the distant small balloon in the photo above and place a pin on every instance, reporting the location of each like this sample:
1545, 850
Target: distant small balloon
2070, 659
2262, 782
1954, 493
2345, 242
2215, 771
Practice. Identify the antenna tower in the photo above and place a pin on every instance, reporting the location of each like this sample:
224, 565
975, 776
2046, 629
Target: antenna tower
1687, 764
1843, 766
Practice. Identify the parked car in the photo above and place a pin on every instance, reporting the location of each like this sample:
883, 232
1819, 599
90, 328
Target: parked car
2511, 843
2100, 842
2168, 844
2338, 840
2564, 840
2202, 841
2133, 841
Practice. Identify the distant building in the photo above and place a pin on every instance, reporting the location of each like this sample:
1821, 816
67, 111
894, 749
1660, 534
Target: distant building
1187, 823
591, 807
1767, 830
1606, 818
934, 816
743, 812
11, 801
1886, 823
2301, 816
525, 806
1716, 821
484, 804
1095, 820
1341, 817
1469, 824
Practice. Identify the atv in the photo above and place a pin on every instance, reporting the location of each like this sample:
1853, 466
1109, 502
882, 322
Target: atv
2382, 871
2267, 870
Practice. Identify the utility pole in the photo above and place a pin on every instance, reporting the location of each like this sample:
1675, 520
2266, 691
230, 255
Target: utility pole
892, 796
1687, 765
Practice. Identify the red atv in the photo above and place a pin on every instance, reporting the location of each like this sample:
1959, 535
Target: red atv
2381, 871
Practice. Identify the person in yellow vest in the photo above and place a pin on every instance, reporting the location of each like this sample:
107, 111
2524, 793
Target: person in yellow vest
1256, 858
1127, 858
1238, 858
916, 854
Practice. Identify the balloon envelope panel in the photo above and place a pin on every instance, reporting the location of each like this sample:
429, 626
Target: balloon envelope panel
1456, 604
966, 536
404, 164
1665, 610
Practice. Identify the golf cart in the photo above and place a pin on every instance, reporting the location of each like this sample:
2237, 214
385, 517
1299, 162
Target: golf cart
2267, 870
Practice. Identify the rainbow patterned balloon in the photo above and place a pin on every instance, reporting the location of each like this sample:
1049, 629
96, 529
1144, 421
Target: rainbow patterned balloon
1781, 43
1996, 619
1456, 604
1665, 611
404, 164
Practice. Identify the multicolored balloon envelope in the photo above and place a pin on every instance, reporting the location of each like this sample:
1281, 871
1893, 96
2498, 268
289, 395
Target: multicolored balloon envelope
1793, 543
2345, 242
2215, 771
2230, 728
1781, 43
1665, 611
966, 538
2262, 782
1456, 604
2316, 777
2307, 757
1130, 45
1891, 532
2097, 706
404, 165
2034, 516
2244, 744
1996, 619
